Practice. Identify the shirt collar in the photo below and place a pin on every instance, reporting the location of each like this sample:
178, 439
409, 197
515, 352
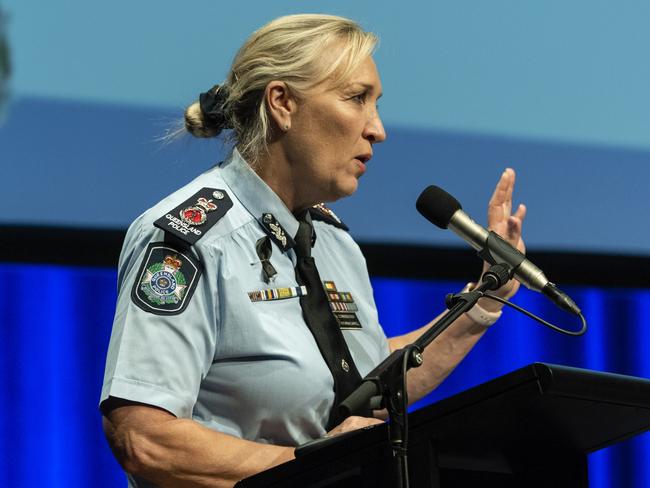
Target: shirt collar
260, 200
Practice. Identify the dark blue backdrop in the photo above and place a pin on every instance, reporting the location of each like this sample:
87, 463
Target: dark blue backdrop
56, 324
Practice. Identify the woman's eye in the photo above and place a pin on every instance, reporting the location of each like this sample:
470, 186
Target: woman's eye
360, 98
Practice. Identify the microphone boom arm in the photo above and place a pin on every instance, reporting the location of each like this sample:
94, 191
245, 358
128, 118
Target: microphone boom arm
388, 379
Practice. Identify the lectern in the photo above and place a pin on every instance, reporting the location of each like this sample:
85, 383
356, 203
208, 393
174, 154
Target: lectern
530, 428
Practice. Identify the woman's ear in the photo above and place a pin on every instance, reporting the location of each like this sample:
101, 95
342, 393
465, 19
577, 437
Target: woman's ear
280, 104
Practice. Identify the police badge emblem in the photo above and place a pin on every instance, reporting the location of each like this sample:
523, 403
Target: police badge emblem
164, 283
166, 280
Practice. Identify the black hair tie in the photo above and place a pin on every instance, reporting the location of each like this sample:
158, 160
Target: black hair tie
211, 103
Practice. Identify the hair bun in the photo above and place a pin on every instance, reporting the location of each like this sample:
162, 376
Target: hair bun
207, 118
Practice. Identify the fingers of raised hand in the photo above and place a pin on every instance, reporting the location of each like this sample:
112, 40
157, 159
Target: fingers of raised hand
500, 205
514, 225
502, 221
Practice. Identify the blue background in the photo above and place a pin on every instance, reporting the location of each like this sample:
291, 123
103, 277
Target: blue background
56, 330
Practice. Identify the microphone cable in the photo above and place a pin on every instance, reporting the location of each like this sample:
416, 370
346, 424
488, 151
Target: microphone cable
545, 323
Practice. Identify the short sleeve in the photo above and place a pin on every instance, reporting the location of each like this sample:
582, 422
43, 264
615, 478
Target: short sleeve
165, 325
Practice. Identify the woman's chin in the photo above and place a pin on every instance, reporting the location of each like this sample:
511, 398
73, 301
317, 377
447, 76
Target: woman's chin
348, 189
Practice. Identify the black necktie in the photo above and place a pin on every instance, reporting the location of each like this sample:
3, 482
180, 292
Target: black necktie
321, 321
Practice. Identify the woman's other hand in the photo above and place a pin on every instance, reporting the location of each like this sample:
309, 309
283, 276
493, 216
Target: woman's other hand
508, 225
353, 422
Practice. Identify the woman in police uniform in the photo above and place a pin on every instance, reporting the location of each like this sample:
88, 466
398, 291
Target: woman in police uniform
245, 312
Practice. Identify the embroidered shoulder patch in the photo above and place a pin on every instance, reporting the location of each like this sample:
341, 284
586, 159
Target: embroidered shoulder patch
325, 214
166, 280
194, 217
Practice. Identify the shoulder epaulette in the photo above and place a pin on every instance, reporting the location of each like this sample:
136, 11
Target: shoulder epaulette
190, 220
325, 214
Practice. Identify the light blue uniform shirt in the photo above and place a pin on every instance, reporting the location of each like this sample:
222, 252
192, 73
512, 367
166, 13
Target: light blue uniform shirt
250, 369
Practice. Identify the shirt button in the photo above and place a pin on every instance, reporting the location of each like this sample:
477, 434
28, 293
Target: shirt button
345, 365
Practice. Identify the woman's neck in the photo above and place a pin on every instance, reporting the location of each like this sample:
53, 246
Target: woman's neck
277, 172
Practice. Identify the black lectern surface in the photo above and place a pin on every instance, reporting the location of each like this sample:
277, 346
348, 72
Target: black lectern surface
532, 428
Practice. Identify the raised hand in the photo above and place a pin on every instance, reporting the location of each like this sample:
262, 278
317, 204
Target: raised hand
508, 225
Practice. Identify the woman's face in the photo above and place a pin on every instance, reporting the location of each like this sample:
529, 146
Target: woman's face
332, 135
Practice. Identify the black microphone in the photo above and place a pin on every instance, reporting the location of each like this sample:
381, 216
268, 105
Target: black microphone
443, 210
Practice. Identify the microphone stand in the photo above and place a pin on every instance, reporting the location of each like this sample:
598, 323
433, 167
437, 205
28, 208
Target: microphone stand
388, 380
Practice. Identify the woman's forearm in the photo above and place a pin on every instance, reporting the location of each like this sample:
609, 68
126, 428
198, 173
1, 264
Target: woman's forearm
441, 356
172, 452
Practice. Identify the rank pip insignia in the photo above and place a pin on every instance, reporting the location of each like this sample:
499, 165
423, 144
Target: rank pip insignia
195, 216
166, 280
343, 306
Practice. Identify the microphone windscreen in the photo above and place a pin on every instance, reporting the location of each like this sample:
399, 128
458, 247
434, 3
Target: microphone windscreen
437, 206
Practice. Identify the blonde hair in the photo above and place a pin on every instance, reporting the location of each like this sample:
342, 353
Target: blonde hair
288, 49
